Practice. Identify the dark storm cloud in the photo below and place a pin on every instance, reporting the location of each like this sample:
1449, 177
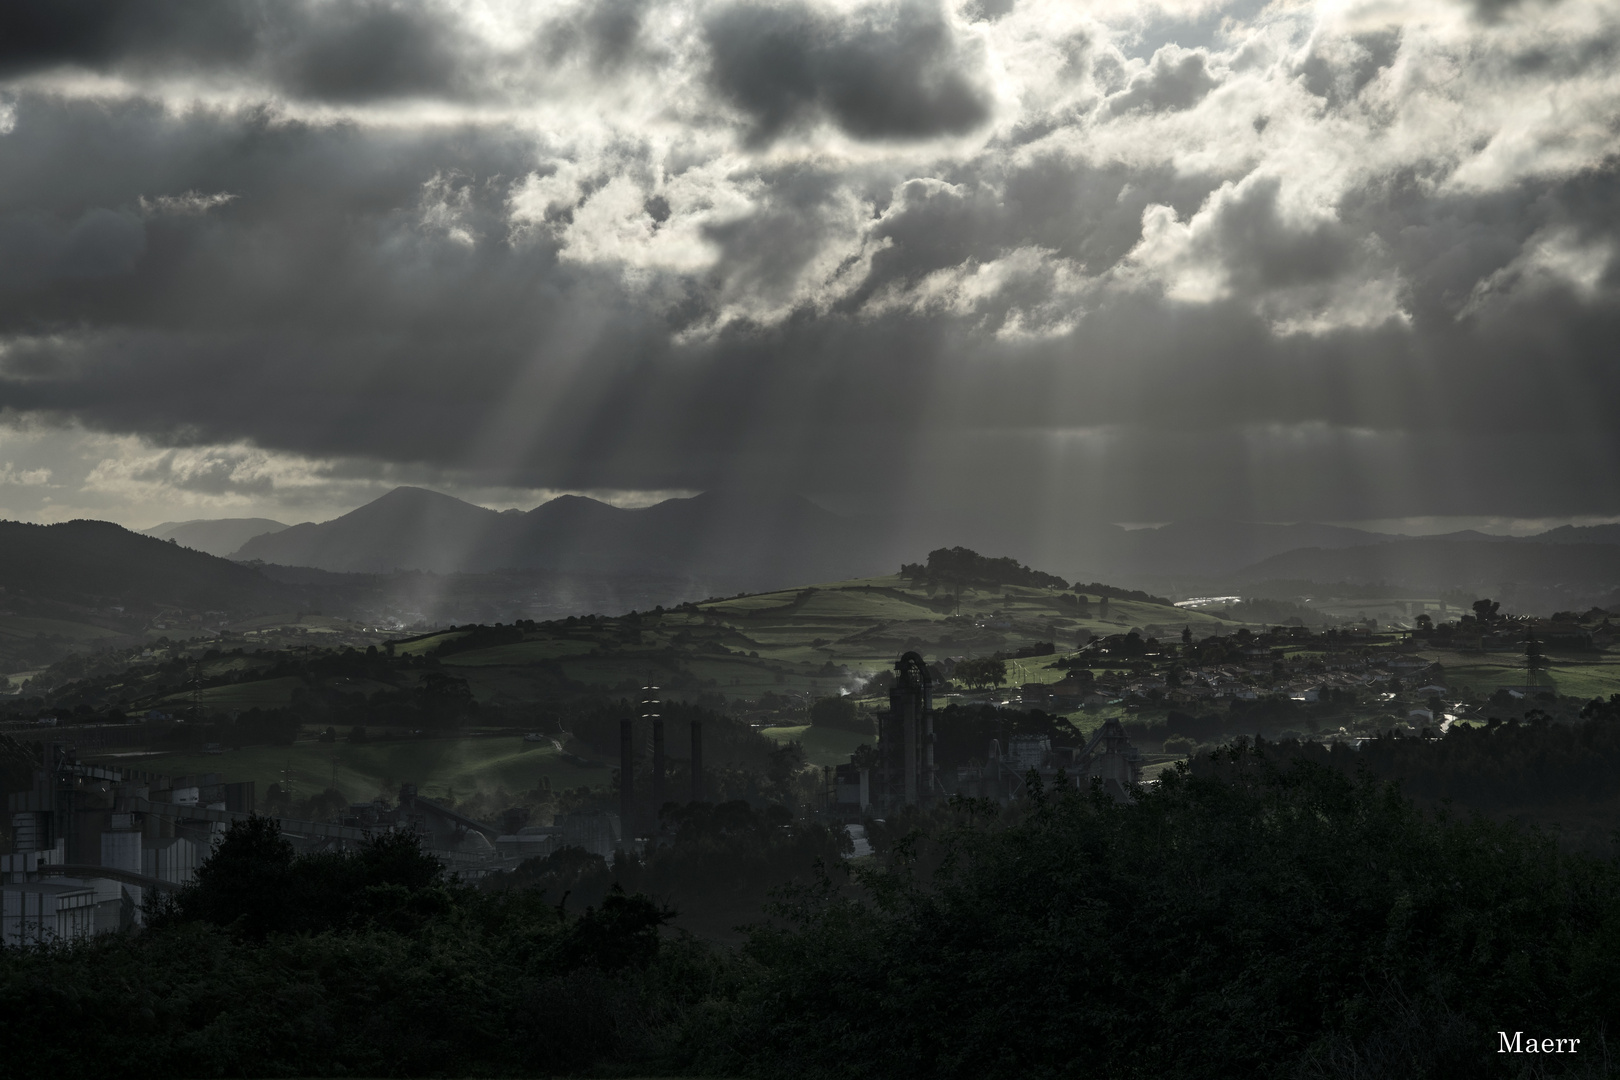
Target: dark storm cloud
326, 283
36, 248
1141, 304
1260, 250
606, 32
36, 34
364, 49
891, 70
352, 51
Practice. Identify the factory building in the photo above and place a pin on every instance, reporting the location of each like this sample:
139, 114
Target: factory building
90, 843
903, 771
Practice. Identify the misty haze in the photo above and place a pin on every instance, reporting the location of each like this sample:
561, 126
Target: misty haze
810, 538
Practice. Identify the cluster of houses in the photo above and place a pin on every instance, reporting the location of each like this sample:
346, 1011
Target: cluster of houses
1267, 673
902, 772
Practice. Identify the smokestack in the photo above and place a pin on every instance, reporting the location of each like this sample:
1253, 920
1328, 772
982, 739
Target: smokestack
908, 735
627, 780
658, 763
650, 711
697, 761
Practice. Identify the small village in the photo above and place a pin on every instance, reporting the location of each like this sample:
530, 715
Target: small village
93, 841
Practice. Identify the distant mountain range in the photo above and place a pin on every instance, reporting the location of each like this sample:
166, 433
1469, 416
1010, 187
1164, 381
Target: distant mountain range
415, 557
1214, 547
419, 556
112, 584
737, 541
718, 543
1440, 563
218, 536
744, 540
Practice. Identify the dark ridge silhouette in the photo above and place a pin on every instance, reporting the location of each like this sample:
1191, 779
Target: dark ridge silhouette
98, 564
217, 536
409, 528
1433, 563
738, 538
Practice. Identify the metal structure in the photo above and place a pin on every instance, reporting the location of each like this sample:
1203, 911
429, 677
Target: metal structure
1112, 758
906, 774
650, 710
697, 761
627, 776
903, 771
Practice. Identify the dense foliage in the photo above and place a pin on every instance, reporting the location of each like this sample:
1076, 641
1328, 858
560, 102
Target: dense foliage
718, 866
257, 885
962, 566
1565, 775
1257, 919
1103, 592
841, 713
963, 733
1264, 922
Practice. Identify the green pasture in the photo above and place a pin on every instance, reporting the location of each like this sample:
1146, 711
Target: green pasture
822, 746
522, 652
22, 626
428, 644
1577, 675
861, 625
882, 581
854, 603
261, 693
1034, 669
1152, 772
1586, 680
363, 770
755, 602
788, 636
226, 665
612, 669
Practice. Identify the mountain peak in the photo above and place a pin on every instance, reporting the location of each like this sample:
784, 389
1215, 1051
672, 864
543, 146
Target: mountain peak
406, 494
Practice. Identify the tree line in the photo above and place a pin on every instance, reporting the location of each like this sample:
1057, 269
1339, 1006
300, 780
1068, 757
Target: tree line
1264, 916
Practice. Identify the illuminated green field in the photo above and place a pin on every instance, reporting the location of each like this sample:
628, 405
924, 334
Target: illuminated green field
427, 644
1580, 675
521, 652
21, 626
822, 746
361, 771
260, 693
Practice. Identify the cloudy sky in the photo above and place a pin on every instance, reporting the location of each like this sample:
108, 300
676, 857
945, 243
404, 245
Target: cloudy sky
1119, 260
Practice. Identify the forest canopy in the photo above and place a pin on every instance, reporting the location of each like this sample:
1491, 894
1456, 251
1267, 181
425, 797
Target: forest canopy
1264, 917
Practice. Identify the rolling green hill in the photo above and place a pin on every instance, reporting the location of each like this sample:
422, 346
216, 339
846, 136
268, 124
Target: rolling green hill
439, 767
790, 646
813, 640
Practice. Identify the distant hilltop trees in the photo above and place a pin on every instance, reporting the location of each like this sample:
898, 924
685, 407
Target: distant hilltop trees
963, 566
1104, 592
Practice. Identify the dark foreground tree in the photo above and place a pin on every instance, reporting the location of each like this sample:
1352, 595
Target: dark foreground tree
1253, 920
1260, 923
256, 885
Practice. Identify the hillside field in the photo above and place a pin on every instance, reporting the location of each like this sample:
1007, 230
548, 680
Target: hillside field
462, 765
806, 642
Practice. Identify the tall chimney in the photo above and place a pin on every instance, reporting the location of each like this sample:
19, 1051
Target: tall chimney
658, 764
697, 761
627, 780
